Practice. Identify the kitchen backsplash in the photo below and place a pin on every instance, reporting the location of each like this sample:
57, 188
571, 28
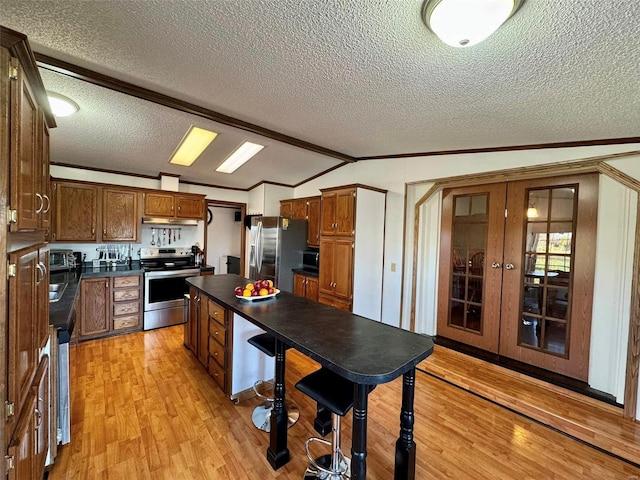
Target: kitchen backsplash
185, 236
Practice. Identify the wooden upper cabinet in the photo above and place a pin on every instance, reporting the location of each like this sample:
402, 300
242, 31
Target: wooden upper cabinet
159, 204
299, 209
286, 208
76, 212
24, 151
120, 216
173, 205
313, 216
44, 178
345, 211
307, 208
338, 212
189, 207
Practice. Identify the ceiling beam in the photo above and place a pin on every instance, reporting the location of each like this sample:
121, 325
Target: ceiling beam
86, 75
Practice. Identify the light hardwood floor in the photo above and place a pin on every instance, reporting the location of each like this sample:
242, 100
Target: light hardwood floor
144, 408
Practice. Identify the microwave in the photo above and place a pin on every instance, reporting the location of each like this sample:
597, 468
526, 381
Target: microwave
61, 260
311, 260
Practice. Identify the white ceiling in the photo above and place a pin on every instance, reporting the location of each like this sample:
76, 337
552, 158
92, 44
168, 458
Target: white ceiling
360, 77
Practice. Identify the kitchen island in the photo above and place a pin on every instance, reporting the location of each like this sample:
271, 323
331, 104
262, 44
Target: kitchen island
361, 350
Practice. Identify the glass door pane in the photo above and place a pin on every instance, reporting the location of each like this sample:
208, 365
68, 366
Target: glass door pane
470, 262
548, 254
469, 244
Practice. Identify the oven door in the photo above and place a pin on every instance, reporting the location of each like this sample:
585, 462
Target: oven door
166, 289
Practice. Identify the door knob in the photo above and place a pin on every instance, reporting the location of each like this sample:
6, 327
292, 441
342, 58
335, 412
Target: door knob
509, 266
496, 265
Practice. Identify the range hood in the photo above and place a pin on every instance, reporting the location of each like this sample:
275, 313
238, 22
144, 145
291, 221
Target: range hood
169, 221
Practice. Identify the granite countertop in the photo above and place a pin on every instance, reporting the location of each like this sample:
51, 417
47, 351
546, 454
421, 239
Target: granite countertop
308, 273
361, 350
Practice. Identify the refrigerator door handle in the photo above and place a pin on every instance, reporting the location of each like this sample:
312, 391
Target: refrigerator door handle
259, 248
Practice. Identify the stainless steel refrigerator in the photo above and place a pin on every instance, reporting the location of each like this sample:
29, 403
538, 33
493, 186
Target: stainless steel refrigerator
277, 244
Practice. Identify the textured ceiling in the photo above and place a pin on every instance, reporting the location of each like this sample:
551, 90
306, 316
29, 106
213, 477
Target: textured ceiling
363, 78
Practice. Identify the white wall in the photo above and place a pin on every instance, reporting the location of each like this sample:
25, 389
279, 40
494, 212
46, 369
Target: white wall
223, 235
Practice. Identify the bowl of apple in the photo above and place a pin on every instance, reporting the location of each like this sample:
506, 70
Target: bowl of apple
258, 290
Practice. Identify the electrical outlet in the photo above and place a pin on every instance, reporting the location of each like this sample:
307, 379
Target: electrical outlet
393, 267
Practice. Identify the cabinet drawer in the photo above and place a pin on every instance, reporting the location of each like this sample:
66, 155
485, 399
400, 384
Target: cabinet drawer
130, 281
129, 321
217, 372
334, 302
126, 294
217, 313
217, 352
125, 308
217, 332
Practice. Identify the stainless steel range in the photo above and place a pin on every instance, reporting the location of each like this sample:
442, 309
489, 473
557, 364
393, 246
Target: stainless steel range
165, 270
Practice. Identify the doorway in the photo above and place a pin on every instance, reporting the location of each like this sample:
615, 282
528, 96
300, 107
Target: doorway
225, 236
517, 270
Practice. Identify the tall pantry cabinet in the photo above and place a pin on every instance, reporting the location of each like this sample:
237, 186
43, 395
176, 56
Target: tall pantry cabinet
352, 249
24, 211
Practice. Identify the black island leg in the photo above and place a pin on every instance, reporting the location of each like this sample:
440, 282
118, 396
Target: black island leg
359, 433
278, 453
405, 446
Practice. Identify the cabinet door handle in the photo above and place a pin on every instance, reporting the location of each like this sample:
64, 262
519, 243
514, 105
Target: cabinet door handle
93, 231
48, 203
104, 232
496, 265
215, 312
41, 272
39, 197
39, 417
509, 266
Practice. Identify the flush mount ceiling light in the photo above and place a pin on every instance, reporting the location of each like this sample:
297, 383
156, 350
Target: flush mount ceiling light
192, 145
61, 106
238, 158
463, 23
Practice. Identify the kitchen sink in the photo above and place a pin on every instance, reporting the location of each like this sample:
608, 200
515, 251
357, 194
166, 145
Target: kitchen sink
55, 291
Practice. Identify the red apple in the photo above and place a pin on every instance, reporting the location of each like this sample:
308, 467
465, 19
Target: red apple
271, 291
238, 291
254, 293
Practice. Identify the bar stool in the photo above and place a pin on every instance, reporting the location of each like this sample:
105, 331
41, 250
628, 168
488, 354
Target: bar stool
336, 394
261, 416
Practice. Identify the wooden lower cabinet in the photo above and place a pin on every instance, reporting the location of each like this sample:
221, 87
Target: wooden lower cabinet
305, 286
336, 269
94, 307
126, 301
110, 305
217, 346
27, 450
334, 302
207, 336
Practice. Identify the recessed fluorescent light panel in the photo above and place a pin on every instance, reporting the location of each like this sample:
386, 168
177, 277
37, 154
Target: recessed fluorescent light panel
238, 158
192, 145
61, 106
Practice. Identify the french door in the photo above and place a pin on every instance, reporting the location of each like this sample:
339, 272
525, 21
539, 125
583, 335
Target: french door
517, 262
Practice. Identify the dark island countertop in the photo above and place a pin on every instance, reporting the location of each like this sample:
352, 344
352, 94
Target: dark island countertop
361, 350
